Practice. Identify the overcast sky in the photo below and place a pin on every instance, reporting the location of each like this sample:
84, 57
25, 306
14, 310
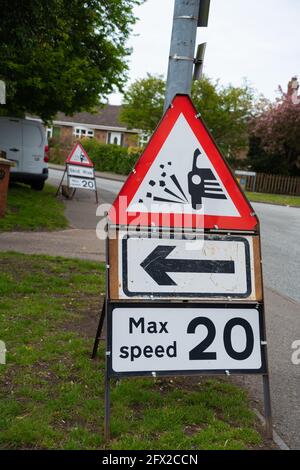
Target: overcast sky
256, 39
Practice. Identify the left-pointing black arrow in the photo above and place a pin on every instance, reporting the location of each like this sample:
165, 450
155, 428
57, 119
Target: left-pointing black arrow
157, 265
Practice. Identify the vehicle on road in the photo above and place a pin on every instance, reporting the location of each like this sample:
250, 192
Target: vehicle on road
24, 141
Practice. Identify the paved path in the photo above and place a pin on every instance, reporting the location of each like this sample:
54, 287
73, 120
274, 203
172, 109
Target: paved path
73, 243
281, 253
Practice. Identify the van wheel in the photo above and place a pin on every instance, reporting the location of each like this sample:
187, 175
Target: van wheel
38, 185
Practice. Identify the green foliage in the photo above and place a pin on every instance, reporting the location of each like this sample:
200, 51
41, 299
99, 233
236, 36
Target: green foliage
278, 199
33, 210
274, 138
225, 109
106, 157
48, 322
63, 55
143, 103
261, 161
110, 158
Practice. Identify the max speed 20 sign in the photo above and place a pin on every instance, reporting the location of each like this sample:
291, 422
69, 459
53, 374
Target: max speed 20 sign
185, 339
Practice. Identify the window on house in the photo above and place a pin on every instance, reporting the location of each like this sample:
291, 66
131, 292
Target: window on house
144, 139
54, 132
115, 138
81, 132
49, 132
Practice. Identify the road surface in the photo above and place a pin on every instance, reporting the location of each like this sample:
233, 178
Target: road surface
280, 228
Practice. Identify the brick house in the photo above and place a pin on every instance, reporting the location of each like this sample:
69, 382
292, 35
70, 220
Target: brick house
104, 126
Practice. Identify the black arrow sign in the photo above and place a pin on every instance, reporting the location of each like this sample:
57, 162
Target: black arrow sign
157, 265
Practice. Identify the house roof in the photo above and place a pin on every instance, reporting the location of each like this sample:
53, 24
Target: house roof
109, 116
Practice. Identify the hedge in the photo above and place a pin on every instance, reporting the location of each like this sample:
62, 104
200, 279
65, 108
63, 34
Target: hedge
106, 157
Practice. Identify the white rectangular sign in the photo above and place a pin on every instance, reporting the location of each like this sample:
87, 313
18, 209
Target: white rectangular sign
84, 171
150, 339
81, 183
208, 267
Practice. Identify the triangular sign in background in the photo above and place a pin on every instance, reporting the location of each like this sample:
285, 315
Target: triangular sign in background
78, 156
182, 171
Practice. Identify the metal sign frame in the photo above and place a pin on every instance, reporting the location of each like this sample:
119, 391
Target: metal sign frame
209, 225
70, 164
106, 316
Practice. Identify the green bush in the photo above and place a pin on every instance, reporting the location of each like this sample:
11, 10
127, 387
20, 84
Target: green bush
110, 158
57, 154
107, 158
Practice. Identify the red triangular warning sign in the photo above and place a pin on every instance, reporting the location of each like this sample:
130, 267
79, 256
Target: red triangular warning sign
78, 156
181, 180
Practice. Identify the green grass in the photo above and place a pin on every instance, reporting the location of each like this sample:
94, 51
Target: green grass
274, 199
52, 393
33, 210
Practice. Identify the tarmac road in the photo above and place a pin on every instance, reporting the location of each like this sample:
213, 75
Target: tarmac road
280, 229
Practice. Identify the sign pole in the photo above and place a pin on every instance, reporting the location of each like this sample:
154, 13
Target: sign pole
96, 191
107, 408
266, 376
181, 59
61, 181
108, 352
99, 330
267, 405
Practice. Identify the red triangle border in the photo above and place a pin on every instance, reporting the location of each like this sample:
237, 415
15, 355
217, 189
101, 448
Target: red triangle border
118, 215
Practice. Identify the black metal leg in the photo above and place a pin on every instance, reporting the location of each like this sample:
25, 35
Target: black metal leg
99, 331
107, 409
267, 405
59, 186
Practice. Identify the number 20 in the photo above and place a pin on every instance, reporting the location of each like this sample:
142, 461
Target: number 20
199, 353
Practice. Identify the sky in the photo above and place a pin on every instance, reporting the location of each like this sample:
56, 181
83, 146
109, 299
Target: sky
254, 39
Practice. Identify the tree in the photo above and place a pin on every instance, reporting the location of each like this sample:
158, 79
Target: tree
225, 110
63, 55
143, 103
274, 137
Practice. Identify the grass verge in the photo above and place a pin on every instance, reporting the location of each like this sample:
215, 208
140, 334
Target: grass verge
51, 392
279, 199
33, 210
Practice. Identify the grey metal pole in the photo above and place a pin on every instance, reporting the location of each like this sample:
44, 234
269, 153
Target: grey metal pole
181, 60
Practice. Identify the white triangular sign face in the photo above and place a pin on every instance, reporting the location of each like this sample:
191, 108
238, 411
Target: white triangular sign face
182, 174
79, 156
174, 174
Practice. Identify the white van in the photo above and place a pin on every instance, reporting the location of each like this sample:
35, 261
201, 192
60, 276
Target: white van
25, 143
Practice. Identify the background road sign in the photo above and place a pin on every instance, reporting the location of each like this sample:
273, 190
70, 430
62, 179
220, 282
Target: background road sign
74, 170
185, 338
81, 183
78, 156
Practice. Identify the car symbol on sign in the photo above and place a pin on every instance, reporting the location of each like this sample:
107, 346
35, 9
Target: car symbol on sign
202, 183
